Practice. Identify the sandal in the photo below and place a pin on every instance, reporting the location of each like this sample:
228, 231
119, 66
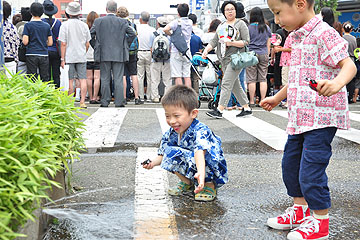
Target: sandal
207, 194
180, 189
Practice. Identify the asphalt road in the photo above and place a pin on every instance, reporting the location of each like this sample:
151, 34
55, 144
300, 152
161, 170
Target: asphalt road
104, 204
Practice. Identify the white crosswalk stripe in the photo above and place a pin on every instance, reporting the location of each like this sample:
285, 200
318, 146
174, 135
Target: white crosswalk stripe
267, 133
103, 127
162, 119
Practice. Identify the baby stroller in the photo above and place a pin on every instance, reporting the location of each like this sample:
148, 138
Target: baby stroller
210, 80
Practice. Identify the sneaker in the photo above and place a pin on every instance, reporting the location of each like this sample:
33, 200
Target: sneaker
215, 114
244, 113
290, 219
310, 228
156, 100
180, 189
77, 99
138, 101
82, 105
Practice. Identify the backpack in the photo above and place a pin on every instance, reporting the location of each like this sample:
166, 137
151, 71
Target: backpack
160, 48
135, 43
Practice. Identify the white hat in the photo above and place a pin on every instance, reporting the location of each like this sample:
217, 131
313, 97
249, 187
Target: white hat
162, 20
73, 8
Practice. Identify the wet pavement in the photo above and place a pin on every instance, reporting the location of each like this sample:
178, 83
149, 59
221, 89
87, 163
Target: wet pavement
103, 205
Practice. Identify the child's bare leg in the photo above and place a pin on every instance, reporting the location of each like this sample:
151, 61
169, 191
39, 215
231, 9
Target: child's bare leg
183, 178
210, 184
300, 201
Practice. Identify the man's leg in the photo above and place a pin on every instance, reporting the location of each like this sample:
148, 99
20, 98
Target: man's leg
155, 79
118, 73
105, 71
44, 68
141, 73
31, 66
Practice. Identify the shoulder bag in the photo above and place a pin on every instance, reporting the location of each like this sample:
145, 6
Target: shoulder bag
245, 59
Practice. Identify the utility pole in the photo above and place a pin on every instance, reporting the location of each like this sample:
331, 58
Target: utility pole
1, 38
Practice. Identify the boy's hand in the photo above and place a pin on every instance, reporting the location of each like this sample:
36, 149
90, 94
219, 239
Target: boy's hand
149, 165
269, 103
201, 180
328, 88
62, 64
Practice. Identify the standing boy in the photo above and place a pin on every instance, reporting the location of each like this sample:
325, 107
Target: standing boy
37, 37
317, 53
75, 36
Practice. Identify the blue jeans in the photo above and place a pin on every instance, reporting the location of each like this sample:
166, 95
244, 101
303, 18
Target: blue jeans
232, 100
306, 157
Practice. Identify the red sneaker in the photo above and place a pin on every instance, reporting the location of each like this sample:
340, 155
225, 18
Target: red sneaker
311, 228
290, 219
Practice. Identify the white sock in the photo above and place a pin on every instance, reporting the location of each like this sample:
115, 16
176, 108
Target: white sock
321, 216
247, 108
221, 111
77, 95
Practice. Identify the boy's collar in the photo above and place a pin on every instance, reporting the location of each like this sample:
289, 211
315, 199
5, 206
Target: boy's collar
308, 27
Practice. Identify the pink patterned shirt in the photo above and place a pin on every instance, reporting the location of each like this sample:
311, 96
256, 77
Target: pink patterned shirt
316, 51
286, 56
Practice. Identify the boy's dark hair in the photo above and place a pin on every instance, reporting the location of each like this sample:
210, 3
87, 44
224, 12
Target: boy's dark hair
6, 10
25, 14
256, 15
183, 9
193, 18
226, 3
36, 9
182, 96
290, 2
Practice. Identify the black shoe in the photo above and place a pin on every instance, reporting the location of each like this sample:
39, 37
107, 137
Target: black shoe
215, 114
94, 102
103, 106
138, 101
244, 113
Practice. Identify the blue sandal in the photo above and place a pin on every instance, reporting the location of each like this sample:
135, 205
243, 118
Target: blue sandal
180, 189
206, 195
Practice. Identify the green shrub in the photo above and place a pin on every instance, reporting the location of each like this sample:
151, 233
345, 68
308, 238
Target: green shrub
39, 134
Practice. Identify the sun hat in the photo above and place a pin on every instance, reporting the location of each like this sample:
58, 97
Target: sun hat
162, 20
49, 8
73, 8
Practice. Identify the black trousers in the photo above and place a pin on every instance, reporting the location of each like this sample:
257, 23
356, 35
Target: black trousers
54, 67
33, 63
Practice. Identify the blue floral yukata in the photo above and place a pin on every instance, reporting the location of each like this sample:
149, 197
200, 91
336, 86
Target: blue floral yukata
178, 154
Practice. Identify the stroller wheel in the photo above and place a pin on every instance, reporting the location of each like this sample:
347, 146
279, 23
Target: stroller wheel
199, 103
213, 104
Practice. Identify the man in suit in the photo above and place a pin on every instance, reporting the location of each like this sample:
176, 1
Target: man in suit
111, 39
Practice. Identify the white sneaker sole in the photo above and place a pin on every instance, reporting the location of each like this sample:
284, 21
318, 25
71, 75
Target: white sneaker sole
217, 117
297, 236
272, 222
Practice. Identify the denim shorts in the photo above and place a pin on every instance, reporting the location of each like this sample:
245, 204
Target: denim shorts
77, 70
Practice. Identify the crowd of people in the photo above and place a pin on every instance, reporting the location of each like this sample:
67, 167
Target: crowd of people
111, 53
35, 48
